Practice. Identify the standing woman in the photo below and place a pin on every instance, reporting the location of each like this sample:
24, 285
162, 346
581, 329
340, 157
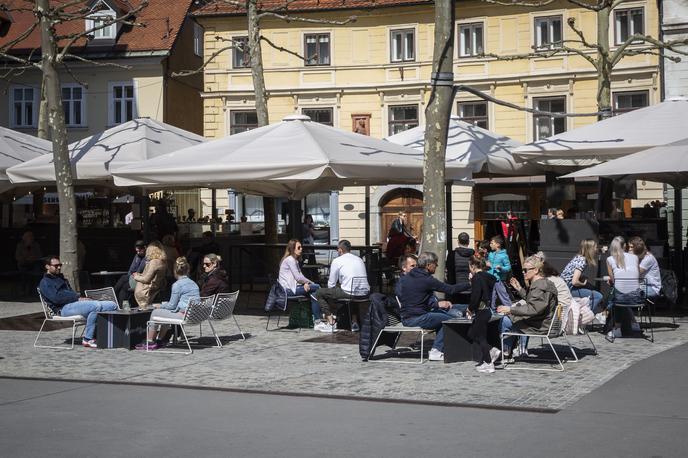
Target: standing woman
573, 273
293, 281
215, 279
152, 279
482, 285
624, 275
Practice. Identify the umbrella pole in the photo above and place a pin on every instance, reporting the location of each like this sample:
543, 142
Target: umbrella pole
367, 216
678, 236
213, 211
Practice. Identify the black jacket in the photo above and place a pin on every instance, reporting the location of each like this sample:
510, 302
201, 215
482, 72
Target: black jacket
417, 288
457, 265
482, 285
372, 323
277, 298
215, 282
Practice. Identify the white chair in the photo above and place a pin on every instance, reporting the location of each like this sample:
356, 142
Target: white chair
394, 325
103, 294
555, 330
50, 316
196, 312
223, 309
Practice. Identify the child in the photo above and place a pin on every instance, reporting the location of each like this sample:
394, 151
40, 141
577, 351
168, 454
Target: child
500, 267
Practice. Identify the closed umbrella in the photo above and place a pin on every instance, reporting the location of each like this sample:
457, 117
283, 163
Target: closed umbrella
291, 158
477, 148
93, 158
611, 138
663, 164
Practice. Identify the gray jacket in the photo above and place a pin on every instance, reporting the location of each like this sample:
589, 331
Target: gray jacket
536, 314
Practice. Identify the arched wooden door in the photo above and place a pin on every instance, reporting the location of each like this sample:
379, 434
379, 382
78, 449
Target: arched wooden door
406, 200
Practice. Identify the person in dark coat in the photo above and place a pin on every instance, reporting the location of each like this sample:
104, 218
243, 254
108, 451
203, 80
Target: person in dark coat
215, 279
122, 287
457, 266
479, 309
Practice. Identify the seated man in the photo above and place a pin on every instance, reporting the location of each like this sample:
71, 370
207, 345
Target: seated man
123, 287
343, 270
64, 301
420, 307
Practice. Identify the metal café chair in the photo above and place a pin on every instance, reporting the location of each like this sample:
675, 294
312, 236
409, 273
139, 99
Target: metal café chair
196, 312
636, 307
223, 309
103, 294
76, 320
358, 284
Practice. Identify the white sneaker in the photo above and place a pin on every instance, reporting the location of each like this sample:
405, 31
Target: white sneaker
327, 328
601, 318
355, 327
486, 368
322, 326
435, 355
494, 354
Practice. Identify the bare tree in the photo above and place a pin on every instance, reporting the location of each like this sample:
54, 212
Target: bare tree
437, 115
56, 49
255, 12
598, 51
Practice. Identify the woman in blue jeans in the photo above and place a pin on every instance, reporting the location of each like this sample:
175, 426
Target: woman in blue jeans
293, 281
573, 273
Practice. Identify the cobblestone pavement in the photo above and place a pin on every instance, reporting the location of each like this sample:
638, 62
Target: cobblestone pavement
283, 362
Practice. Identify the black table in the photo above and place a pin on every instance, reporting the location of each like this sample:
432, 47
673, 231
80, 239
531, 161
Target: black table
458, 347
108, 278
122, 328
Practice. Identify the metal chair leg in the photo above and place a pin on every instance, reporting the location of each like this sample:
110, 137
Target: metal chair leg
217, 338
240, 331
63, 347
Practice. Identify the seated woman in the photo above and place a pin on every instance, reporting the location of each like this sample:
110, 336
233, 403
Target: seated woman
649, 267
293, 281
152, 279
183, 290
573, 273
534, 313
482, 285
624, 275
215, 279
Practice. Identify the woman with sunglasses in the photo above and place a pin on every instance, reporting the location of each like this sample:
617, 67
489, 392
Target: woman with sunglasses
215, 279
293, 281
534, 312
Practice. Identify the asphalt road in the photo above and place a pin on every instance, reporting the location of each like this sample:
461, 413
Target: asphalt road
642, 412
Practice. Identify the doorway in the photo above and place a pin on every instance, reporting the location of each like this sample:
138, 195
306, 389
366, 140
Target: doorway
402, 199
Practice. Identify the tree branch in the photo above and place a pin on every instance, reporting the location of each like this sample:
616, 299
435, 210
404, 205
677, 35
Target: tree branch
519, 2
281, 49
572, 24
98, 64
205, 64
623, 50
289, 18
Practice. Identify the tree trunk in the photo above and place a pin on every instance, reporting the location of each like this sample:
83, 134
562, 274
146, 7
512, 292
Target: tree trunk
256, 57
437, 124
63, 171
43, 126
604, 70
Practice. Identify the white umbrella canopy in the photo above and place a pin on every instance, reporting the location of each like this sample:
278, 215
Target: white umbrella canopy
473, 146
664, 164
611, 138
291, 158
16, 148
93, 158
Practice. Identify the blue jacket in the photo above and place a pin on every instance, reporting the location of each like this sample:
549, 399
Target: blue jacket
501, 259
137, 264
57, 292
183, 290
416, 292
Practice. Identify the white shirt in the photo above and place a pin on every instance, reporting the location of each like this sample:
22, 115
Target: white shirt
563, 292
652, 275
625, 280
343, 270
128, 218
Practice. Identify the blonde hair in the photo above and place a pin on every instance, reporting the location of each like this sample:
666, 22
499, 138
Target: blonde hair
536, 262
588, 249
616, 250
181, 267
155, 251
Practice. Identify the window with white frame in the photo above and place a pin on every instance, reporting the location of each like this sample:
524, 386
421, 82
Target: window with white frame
198, 39
628, 22
473, 113
122, 102
241, 121
240, 54
546, 126
471, 40
317, 48
402, 117
548, 32
74, 105
23, 106
102, 20
624, 102
402, 45
320, 115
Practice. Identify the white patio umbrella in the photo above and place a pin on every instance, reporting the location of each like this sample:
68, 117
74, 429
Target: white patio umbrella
664, 164
611, 138
473, 146
93, 158
291, 158
16, 148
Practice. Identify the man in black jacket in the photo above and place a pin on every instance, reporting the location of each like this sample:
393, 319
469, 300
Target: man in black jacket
419, 306
457, 266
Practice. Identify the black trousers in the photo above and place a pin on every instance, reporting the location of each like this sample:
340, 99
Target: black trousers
478, 333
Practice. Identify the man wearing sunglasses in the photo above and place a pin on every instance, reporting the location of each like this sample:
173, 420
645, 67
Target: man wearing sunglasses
64, 301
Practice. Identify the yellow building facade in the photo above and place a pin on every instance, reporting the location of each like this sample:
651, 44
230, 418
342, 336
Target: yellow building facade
372, 76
